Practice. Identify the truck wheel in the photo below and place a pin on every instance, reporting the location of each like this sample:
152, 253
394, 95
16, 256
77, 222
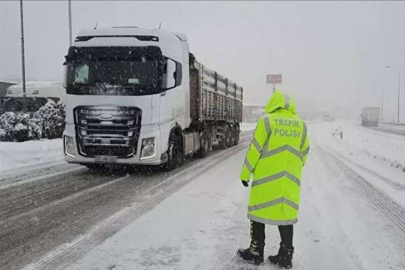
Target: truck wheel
205, 146
175, 152
231, 135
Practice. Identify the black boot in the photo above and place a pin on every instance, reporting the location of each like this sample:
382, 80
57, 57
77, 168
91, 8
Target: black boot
283, 258
253, 254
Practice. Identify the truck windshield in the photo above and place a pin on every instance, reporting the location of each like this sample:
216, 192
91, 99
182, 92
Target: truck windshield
123, 73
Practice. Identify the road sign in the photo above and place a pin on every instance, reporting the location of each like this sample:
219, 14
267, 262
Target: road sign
274, 78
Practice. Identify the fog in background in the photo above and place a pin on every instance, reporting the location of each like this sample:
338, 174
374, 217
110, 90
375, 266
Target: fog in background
328, 52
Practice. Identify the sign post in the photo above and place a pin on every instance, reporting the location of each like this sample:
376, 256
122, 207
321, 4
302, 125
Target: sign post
23, 57
274, 79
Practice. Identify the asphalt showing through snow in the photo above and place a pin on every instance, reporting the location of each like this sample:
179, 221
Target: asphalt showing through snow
64, 201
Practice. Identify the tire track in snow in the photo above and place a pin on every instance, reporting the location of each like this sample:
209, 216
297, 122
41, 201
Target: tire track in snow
37, 174
61, 220
391, 209
64, 255
393, 184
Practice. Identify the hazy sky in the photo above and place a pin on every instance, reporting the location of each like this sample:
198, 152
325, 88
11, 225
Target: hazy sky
328, 52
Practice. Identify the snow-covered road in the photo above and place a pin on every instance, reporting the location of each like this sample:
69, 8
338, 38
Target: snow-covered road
352, 214
345, 223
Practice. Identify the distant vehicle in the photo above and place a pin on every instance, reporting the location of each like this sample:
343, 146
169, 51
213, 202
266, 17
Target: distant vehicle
328, 118
139, 97
370, 116
37, 94
4, 85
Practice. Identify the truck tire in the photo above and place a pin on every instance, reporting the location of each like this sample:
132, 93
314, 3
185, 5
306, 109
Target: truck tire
232, 134
175, 155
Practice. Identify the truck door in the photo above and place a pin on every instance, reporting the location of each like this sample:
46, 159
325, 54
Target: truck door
169, 100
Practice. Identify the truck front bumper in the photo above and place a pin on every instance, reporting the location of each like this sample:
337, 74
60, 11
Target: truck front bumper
147, 131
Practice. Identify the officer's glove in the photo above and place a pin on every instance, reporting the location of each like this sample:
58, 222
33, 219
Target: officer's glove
245, 183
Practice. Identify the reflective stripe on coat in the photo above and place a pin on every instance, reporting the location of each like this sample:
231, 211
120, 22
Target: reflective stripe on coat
277, 153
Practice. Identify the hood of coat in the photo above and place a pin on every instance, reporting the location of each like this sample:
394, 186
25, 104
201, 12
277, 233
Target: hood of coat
280, 100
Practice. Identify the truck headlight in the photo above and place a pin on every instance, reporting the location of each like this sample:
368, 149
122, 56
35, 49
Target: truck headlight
148, 149
70, 146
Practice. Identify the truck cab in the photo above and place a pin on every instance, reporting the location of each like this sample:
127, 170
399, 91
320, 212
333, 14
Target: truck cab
126, 91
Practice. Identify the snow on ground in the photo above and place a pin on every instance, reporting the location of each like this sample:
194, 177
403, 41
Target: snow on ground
202, 225
383, 146
247, 126
379, 156
15, 155
392, 126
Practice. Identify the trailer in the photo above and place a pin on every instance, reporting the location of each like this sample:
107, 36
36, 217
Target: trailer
370, 116
139, 97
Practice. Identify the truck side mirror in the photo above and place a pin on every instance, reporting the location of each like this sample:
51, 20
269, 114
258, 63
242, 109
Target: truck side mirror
170, 74
173, 74
179, 74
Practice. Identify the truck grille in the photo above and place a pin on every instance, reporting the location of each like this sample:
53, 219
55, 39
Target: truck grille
107, 130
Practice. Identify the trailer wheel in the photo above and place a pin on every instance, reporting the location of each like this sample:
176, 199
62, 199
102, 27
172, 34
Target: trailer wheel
174, 152
224, 142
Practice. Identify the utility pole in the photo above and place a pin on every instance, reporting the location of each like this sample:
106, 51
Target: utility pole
70, 21
23, 57
399, 89
382, 99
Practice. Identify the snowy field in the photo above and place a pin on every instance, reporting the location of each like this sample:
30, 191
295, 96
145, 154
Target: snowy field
352, 213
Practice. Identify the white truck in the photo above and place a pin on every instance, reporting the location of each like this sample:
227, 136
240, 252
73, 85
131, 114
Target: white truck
139, 97
370, 116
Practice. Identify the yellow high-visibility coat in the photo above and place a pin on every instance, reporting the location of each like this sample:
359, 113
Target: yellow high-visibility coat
278, 152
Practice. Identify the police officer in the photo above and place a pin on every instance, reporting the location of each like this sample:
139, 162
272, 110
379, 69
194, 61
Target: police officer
277, 153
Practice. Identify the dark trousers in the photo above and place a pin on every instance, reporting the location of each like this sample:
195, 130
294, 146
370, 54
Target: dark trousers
258, 234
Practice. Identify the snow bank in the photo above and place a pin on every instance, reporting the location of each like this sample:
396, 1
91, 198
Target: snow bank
378, 156
15, 155
386, 147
